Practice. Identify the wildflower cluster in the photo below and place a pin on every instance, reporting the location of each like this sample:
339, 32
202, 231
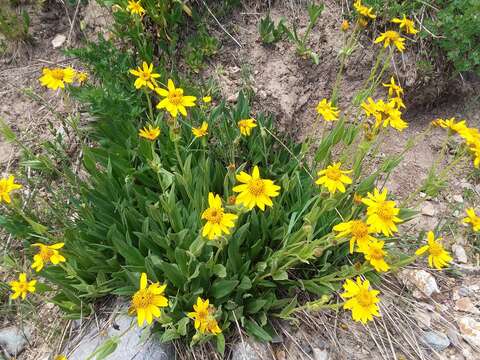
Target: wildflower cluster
56, 78
206, 216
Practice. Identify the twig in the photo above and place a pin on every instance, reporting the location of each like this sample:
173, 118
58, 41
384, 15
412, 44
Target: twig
221, 26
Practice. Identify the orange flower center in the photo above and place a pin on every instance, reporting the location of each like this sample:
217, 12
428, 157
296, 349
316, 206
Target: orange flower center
22, 287
333, 174
384, 211
57, 74
435, 249
214, 215
142, 299
175, 97
364, 298
46, 253
359, 229
145, 75
256, 187
376, 254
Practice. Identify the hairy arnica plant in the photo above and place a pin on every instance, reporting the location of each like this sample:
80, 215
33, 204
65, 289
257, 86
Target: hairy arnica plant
202, 214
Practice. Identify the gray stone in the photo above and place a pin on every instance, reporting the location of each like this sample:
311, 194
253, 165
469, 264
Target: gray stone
436, 340
470, 330
428, 209
58, 40
320, 354
14, 339
460, 253
135, 343
250, 350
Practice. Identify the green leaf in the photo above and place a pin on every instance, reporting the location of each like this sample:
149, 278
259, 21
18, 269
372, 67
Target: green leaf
220, 270
256, 331
220, 342
222, 288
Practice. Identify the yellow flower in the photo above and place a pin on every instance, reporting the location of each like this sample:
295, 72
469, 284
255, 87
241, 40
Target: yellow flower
150, 132
398, 104
438, 256
472, 219
357, 229
57, 77
255, 191
475, 150
203, 318
147, 301
60, 357
362, 22
81, 77
391, 37
218, 222
357, 199
135, 8
22, 287
6, 187
327, 110
47, 253
381, 213
363, 10
361, 300
452, 124
385, 113
470, 135
174, 101
246, 126
393, 88
333, 178
207, 99
406, 24
201, 131
345, 25
375, 255
145, 76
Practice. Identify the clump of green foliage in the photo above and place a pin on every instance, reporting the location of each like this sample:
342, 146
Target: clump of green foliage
13, 26
198, 48
269, 33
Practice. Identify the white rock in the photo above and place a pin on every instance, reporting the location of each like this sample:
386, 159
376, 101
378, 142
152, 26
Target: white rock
460, 253
319, 354
249, 350
58, 40
457, 198
465, 304
421, 281
14, 340
428, 209
470, 330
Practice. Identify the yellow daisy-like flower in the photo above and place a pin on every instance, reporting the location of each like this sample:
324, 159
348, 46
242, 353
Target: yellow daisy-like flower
207, 99
22, 287
406, 24
363, 10
470, 135
60, 357
362, 301
381, 213
475, 150
375, 255
145, 76
81, 77
391, 37
345, 25
393, 88
57, 77
46, 254
218, 222
246, 126
255, 191
201, 131
472, 219
147, 301
438, 256
6, 187
134, 7
327, 110
333, 178
174, 101
149, 132
452, 124
385, 113
204, 321
358, 231
398, 104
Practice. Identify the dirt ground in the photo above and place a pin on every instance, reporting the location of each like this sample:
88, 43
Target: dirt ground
289, 87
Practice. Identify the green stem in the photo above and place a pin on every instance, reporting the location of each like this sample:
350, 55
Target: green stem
150, 108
